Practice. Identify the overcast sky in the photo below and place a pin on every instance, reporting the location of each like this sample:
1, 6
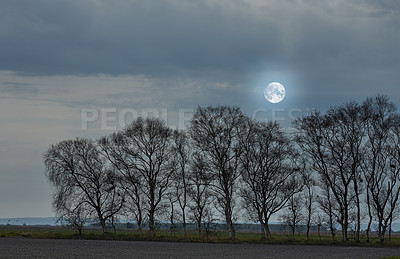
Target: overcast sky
61, 58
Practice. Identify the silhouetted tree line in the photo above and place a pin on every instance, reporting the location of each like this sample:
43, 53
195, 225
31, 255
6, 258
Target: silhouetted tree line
338, 168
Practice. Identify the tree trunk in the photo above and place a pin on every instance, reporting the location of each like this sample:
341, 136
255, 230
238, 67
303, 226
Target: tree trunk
357, 236
345, 227
345, 224
228, 218
319, 231
369, 214
380, 229
139, 223
331, 217
358, 220
266, 227
308, 222
368, 229
262, 228
183, 206
199, 226
293, 228
152, 211
139, 215
103, 225
390, 229
231, 229
184, 222
102, 221
172, 228
382, 234
80, 231
151, 222
113, 226
140, 229
332, 228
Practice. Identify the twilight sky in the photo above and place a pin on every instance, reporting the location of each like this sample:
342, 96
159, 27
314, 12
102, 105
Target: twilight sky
63, 60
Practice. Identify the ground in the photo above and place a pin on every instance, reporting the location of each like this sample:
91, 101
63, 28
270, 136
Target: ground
61, 248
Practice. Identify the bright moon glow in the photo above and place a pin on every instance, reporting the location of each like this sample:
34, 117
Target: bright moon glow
275, 92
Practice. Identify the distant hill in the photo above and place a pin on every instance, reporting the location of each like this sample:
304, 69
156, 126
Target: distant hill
29, 221
52, 221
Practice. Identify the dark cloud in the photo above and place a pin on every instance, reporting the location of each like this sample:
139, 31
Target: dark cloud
195, 37
331, 46
139, 37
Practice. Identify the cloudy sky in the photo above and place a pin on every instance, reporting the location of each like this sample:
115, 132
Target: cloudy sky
62, 61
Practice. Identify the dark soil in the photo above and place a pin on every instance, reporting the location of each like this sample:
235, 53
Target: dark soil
63, 248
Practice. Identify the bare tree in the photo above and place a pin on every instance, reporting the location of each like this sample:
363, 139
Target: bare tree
172, 199
380, 166
214, 131
209, 224
327, 206
79, 174
309, 183
334, 144
74, 216
199, 179
267, 166
293, 215
122, 155
148, 142
180, 183
394, 212
320, 222
345, 140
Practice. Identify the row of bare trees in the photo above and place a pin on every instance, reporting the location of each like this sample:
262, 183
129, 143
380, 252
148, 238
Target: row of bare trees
354, 149
231, 167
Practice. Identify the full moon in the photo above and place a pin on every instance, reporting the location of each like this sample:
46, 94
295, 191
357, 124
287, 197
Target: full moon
275, 92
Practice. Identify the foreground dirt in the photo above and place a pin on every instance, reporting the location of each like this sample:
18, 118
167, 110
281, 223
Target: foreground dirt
54, 248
